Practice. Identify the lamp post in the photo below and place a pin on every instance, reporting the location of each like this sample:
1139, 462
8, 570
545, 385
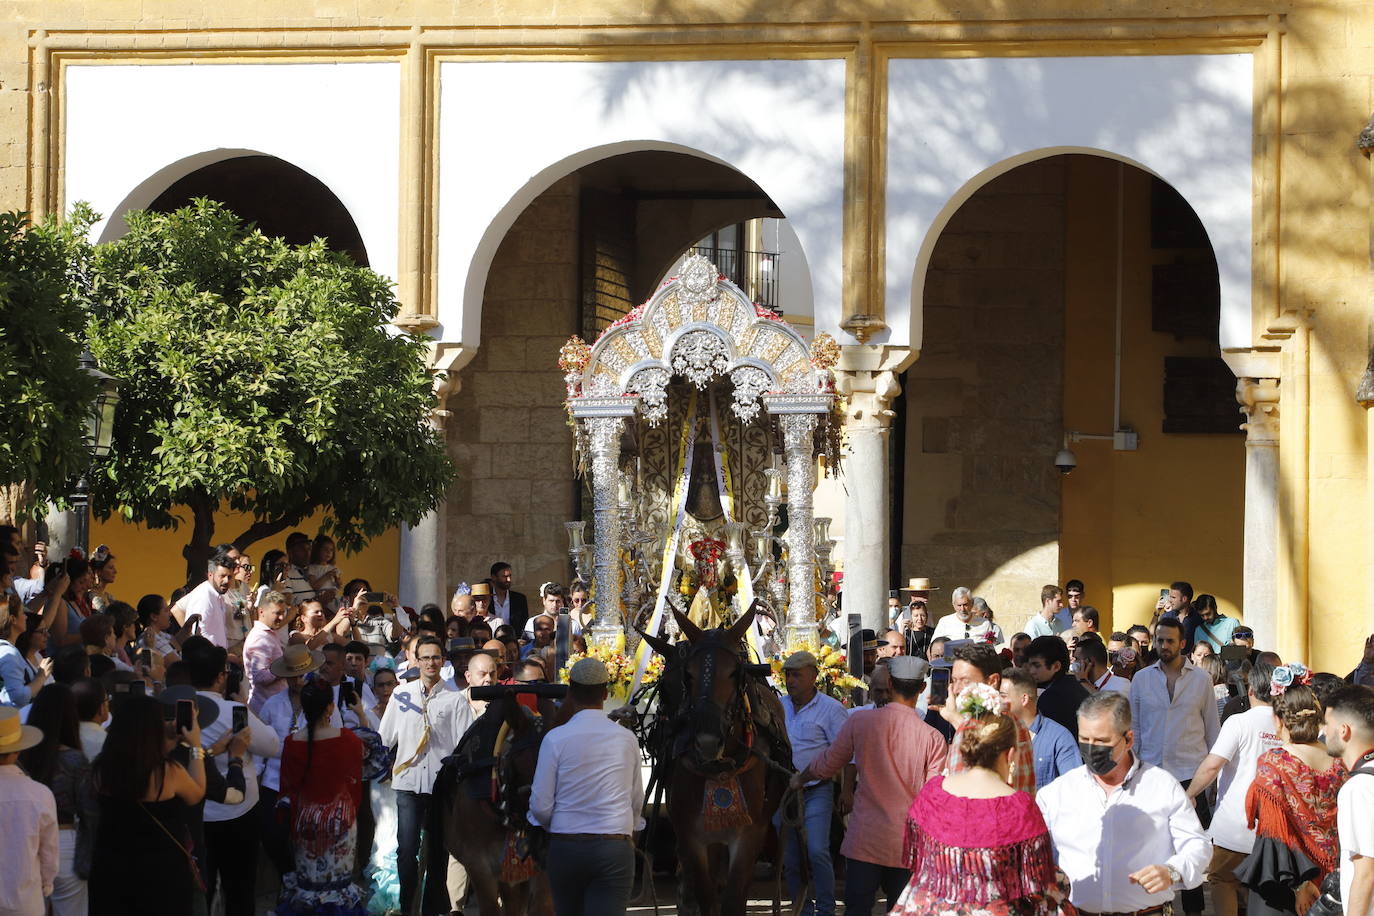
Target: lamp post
99, 432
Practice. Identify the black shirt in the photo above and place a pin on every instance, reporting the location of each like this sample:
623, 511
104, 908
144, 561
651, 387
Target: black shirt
1061, 699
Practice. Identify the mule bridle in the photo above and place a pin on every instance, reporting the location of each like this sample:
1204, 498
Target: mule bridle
736, 713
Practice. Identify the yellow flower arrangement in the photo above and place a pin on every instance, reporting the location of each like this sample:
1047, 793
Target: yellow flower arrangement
832, 673
619, 664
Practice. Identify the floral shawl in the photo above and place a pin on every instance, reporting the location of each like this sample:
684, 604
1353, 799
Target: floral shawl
1296, 805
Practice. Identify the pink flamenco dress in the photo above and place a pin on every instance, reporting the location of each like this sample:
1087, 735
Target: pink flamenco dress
323, 788
979, 857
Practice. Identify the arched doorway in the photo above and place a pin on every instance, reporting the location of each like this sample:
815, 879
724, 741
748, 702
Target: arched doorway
281, 199
1072, 294
582, 254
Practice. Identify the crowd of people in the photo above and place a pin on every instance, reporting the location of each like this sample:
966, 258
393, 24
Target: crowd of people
1064, 769
151, 753
282, 711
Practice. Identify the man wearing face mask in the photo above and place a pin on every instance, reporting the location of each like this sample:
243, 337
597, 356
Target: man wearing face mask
1124, 832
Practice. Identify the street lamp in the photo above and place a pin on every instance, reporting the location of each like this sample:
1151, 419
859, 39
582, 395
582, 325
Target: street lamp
98, 435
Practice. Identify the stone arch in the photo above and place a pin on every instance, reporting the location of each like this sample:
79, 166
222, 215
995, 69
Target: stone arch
473, 293
321, 208
1238, 298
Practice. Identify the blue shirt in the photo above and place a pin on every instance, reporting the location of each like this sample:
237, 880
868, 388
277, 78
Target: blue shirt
1218, 632
14, 689
1055, 750
814, 727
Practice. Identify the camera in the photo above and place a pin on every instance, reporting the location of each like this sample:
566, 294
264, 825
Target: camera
1065, 462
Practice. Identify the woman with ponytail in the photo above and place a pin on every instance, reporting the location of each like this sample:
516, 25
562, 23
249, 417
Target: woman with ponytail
974, 843
1291, 805
321, 788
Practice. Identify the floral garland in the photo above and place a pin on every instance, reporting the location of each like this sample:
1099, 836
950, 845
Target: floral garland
832, 675
1286, 676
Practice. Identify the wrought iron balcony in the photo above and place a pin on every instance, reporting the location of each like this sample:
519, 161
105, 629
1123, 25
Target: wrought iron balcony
755, 272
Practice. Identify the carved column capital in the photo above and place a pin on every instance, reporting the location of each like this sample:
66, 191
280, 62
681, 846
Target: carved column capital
445, 362
1259, 401
869, 377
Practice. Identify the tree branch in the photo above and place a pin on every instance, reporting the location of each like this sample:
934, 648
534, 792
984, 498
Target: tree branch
265, 529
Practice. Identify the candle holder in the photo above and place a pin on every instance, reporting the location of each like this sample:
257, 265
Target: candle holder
821, 527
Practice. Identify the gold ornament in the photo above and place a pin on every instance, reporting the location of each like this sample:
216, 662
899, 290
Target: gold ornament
825, 353
574, 355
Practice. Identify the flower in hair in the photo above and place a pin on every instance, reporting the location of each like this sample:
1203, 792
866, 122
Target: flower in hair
979, 700
1285, 676
462, 589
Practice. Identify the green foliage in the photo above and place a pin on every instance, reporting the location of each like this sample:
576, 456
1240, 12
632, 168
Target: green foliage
261, 376
45, 397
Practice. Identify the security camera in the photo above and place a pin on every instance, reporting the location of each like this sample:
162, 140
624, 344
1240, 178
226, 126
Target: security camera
1065, 462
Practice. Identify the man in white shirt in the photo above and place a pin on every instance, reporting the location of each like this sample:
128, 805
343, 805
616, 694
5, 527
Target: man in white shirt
1176, 719
204, 607
298, 545
814, 720
423, 721
588, 794
1350, 736
1093, 671
1047, 621
963, 623
1123, 831
1234, 758
231, 830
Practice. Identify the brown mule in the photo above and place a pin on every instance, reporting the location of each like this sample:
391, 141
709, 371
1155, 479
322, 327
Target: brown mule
724, 777
483, 797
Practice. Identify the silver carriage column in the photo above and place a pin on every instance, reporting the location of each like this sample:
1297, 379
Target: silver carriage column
799, 415
603, 420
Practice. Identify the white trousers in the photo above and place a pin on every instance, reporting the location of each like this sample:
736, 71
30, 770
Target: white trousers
68, 891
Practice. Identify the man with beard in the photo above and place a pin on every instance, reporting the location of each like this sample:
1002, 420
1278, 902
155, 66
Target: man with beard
1350, 736
1175, 714
205, 603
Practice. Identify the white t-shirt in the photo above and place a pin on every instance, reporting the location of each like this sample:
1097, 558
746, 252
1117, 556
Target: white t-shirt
1355, 824
207, 604
950, 625
1243, 738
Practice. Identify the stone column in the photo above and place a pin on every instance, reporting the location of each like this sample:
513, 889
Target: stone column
1259, 400
604, 435
869, 378
799, 449
424, 553
423, 574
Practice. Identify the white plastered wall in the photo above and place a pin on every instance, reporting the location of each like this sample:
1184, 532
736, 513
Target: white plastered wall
509, 130
953, 125
132, 131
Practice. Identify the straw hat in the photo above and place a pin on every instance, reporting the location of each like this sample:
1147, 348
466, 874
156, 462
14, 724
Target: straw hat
298, 659
15, 737
481, 590
919, 584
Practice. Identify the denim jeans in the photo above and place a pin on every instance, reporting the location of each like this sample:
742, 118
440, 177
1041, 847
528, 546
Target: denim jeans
412, 808
861, 883
591, 877
820, 804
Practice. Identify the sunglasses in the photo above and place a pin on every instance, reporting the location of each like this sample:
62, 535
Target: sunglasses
1242, 634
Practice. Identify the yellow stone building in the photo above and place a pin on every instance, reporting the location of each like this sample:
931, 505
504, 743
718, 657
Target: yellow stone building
1122, 229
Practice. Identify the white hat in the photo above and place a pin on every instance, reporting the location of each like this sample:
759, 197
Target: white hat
908, 668
589, 672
